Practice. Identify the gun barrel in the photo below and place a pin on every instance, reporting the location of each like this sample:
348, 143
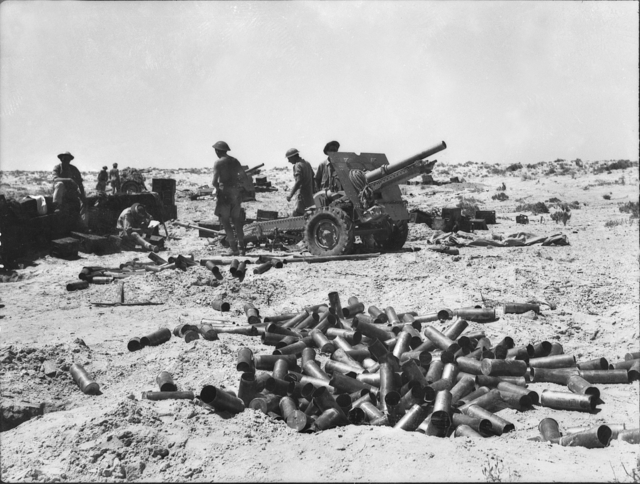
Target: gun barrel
251, 170
390, 168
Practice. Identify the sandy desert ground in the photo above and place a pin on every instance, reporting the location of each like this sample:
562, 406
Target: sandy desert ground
592, 283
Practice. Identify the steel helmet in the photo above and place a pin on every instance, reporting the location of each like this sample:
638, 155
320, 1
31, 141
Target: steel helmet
222, 146
292, 152
104, 167
331, 144
138, 209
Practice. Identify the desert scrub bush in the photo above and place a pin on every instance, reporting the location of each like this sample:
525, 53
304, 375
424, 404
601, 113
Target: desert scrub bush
574, 205
514, 167
554, 200
496, 170
616, 165
630, 207
526, 176
561, 216
606, 196
613, 223
535, 208
500, 196
469, 206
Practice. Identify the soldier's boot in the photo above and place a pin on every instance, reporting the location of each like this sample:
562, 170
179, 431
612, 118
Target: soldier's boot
233, 246
243, 250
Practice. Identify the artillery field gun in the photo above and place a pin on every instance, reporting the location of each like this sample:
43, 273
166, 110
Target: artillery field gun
370, 206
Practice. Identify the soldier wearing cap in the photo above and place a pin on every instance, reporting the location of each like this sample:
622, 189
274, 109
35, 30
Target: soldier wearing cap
303, 174
227, 180
326, 178
68, 190
131, 223
103, 177
114, 178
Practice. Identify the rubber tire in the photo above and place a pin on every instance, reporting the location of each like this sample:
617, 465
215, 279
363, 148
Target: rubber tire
130, 186
344, 228
396, 238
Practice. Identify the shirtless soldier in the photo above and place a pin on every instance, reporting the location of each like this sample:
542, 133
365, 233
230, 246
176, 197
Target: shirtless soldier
227, 180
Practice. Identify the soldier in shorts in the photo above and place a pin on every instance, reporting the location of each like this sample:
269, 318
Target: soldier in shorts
227, 180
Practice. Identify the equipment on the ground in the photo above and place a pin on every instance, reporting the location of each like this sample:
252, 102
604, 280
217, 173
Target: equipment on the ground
370, 205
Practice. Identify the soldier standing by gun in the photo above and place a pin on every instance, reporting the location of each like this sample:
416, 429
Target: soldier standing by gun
227, 181
114, 177
303, 174
326, 178
103, 176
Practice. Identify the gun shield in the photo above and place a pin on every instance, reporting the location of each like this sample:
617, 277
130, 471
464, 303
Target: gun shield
82, 379
165, 382
156, 338
567, 401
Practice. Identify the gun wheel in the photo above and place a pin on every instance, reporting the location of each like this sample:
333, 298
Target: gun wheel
395, 238
329, 231
130, 186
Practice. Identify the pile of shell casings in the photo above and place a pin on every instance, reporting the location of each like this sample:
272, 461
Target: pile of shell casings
335, 366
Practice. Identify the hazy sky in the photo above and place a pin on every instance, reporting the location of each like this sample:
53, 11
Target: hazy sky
157, 83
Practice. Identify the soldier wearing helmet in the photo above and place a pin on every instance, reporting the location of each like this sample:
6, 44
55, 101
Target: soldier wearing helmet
114, 178
303, 174
227, 180
103, 177
326, 178
132, 222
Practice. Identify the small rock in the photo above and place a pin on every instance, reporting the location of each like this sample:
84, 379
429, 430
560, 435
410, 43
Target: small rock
106, 472
530, 315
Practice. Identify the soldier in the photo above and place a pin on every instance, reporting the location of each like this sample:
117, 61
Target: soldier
326, 178
114, 178
132, 222
68, 190
303, 174
103, 177
227, 180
